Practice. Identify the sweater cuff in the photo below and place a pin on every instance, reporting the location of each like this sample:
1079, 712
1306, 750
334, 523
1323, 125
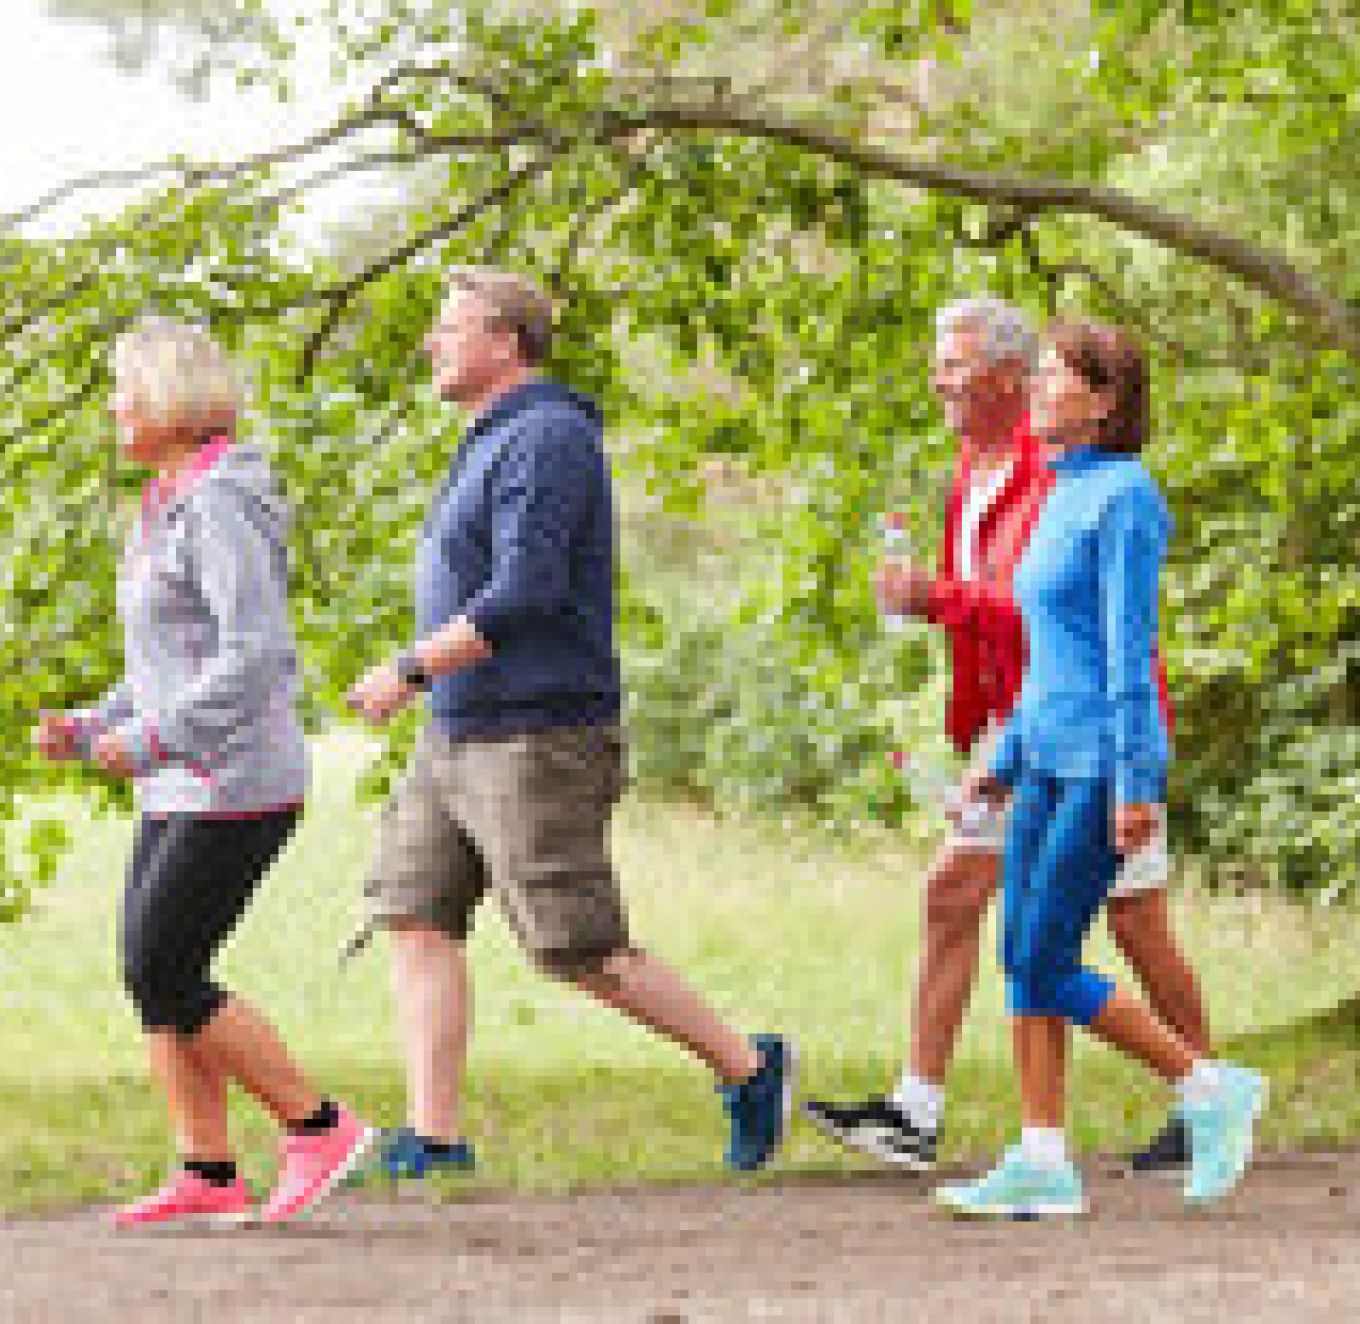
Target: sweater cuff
144, 747
82, 729
1005, 764
1138, 785
490, 618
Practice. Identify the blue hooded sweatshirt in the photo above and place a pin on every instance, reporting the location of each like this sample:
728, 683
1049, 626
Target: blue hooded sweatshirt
520, 540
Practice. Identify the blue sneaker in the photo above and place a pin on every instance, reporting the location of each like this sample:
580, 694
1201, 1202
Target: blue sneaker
1017, 1188
759, 1108
401, 1153
1221, 1133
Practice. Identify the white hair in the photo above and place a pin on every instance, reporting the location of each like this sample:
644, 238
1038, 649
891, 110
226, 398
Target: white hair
176, 373
1006, 330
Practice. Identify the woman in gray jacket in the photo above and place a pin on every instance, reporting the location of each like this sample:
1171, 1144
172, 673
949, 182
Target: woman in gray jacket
205, 721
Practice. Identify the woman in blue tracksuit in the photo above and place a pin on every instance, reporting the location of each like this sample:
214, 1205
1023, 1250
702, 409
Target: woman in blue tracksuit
1085, 755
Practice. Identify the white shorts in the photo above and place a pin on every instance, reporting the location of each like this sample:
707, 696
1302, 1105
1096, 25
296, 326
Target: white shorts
1149, 870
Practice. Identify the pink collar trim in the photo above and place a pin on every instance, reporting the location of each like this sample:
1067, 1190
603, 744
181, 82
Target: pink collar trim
157, 490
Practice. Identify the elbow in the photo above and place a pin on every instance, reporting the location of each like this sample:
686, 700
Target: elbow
506, 609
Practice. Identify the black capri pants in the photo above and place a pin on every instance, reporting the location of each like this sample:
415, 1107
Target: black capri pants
189, 883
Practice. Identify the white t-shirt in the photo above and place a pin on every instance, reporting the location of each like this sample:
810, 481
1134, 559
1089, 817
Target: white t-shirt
978, 500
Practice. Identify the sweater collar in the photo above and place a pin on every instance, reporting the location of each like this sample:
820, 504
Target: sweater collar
1077, 458
521, 397
159, 490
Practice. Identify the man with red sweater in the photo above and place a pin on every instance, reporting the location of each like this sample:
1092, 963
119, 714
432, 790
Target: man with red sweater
982, 355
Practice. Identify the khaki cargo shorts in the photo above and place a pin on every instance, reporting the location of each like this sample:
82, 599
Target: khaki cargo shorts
524, 816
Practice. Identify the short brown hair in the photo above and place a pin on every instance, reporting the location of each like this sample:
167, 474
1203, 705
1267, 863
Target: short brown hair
517, 304
1108, 359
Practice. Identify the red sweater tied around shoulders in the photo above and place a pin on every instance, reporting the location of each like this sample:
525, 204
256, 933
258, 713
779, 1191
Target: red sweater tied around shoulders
986, 633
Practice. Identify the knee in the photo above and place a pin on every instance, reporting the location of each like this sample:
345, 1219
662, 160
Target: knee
957, 893
421, 940
593, 968
163, 1002
1141, 928
1127, 927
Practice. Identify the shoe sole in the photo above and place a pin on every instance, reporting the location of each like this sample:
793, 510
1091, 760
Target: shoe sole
786, 1096
356, 1156
871, 1146
223, 1222
1015, 1213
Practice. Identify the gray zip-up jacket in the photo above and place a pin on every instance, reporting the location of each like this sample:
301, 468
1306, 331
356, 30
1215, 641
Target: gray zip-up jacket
207, 702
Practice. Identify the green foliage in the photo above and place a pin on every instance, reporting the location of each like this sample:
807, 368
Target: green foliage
745, 298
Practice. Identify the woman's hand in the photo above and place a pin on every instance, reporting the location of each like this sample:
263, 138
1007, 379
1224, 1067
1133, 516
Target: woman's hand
55, 736
112, 754
901, 588
977, 787
1134, 826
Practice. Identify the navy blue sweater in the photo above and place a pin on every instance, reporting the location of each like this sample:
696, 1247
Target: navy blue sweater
520, 540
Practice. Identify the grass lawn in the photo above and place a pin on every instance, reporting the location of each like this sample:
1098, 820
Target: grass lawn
782, 927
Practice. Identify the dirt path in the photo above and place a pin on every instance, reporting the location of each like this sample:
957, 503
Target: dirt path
1286, 1248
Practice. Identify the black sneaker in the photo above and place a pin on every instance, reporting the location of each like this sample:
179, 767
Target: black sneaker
879, 1128
1169, 1152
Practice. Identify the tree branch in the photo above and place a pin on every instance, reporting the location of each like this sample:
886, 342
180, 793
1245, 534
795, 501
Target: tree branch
1260, 267
339, 298
372, 112
1023, 198
351, 165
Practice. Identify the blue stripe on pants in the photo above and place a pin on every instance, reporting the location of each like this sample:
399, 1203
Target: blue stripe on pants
1060, 862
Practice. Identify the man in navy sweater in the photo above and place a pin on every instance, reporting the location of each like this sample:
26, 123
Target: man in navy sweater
511, 786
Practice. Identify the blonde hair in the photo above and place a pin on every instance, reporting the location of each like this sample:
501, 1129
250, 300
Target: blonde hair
516, 304
176, 373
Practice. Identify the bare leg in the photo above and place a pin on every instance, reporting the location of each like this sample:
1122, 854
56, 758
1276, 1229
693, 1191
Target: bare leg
1041, 1057
1142, 927
1133, 1029
959, 888
196, 1094
240, 1043
654, 995
430, 983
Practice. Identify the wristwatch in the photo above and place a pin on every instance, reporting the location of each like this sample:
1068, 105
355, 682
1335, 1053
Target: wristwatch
411, 670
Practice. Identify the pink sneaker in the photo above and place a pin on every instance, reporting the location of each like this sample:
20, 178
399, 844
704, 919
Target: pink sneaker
314, 1165
187, 1198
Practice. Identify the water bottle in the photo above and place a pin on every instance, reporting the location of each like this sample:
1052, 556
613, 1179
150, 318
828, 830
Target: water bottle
896, 547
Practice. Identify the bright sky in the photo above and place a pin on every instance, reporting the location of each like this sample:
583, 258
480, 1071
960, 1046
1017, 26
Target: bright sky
66, 110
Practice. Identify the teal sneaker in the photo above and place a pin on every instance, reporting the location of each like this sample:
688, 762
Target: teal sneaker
1017, 1188
1221, 1134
